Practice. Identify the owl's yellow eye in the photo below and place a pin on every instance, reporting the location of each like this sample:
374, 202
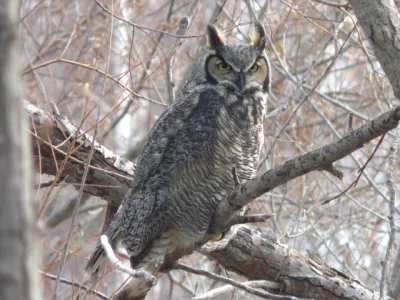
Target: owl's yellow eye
223, 66
254, 68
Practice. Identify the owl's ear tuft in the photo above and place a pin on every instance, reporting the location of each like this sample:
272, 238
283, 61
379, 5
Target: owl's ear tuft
215, 38
258, 36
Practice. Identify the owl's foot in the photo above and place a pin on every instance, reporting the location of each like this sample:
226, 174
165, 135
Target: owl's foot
241, 219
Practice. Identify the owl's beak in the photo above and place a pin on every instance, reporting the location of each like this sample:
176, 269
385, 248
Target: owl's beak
240, 82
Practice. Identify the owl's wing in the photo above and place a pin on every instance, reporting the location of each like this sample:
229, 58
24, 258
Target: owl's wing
183, 133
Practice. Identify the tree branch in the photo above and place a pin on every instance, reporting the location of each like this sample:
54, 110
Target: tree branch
109, 175
316, 160
380, 21
75, 284
257, 256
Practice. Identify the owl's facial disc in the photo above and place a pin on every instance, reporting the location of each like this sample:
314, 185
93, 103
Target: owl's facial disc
250, 78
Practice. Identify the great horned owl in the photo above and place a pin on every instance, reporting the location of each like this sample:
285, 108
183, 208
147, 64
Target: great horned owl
185, 168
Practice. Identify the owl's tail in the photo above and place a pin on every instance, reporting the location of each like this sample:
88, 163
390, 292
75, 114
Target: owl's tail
97, 261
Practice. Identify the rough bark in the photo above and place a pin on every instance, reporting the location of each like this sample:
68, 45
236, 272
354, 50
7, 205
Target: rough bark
237, 250
258, 256
55, 138
19, 259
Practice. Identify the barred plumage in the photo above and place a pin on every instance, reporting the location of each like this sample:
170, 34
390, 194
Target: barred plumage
185, 168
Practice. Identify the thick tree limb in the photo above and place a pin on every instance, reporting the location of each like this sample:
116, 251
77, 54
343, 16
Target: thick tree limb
380, 21
110, 175
257, 256
309, 279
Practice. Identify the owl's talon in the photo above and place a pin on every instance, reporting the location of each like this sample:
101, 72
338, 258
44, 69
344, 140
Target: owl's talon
217, 237
235, 176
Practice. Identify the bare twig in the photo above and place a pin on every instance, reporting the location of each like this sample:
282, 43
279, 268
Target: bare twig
361, 171
84, 177
144, 28
330, 3
64, 212
74, 63
350, 124
306, 96
29, 12
74, 214
183, 26
250, 8
76, 284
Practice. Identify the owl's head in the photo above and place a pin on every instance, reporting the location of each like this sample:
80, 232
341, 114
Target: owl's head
242, 67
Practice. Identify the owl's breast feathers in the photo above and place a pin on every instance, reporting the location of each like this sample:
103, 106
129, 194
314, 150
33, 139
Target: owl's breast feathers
185, 169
